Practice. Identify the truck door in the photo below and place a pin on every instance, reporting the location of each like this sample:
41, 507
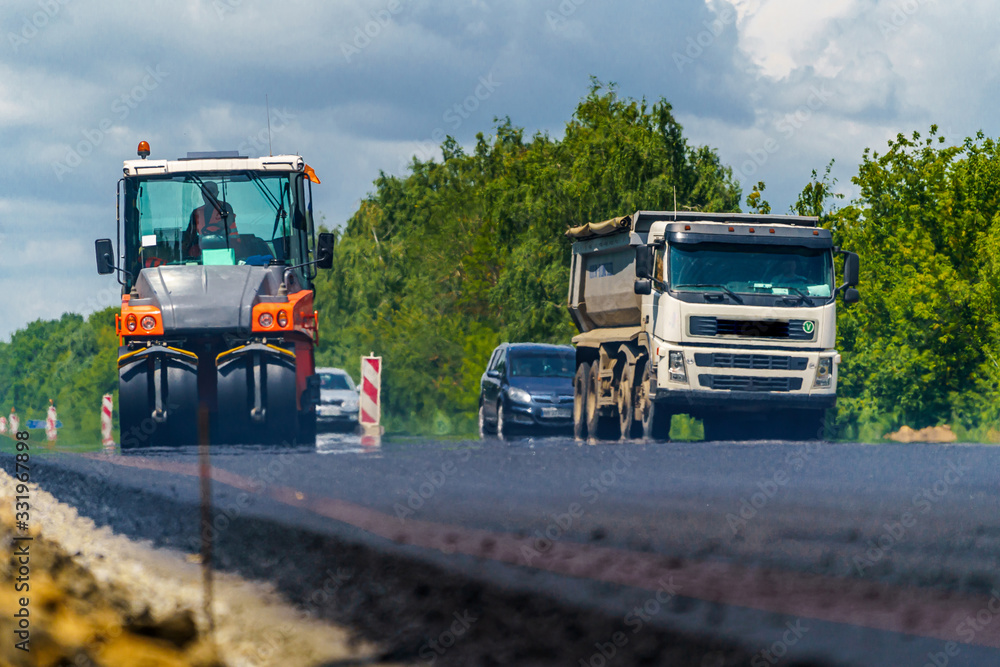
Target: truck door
651, 303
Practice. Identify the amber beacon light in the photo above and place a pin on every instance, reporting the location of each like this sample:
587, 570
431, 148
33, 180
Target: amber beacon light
143, 149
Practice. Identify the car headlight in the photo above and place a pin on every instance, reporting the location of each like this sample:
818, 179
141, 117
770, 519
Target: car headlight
824, 372
351, 404
675, 366
518, 395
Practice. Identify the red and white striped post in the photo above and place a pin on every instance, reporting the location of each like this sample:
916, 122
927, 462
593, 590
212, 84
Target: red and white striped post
106, 438
370, 414
50, 423
14, 422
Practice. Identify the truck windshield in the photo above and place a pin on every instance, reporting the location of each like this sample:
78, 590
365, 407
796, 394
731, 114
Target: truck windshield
740, 268
214, 218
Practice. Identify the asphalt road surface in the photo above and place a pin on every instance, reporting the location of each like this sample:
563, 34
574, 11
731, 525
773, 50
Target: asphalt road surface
553, 552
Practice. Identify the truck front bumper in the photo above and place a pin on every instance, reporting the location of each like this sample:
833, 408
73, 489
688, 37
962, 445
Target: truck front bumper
683, 401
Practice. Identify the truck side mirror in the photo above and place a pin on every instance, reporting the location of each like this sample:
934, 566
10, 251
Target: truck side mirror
643, 286
851, 269
851, 295
643, 262
105, 256
324, 251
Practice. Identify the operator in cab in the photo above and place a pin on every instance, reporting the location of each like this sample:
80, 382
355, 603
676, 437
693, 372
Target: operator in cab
210, 224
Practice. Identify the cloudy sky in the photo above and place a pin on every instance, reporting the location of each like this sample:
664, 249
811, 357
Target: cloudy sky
778, 87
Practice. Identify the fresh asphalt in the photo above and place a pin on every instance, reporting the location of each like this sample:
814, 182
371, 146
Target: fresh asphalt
871, 554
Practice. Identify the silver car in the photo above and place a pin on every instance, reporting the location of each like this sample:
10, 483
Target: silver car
338, 399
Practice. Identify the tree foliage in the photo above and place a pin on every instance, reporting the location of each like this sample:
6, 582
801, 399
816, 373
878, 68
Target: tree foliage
922, 346
439, 266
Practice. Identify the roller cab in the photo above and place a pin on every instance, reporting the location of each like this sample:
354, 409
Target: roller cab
216, 257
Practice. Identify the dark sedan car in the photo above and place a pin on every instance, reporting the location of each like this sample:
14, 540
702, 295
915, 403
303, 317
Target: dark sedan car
527, 387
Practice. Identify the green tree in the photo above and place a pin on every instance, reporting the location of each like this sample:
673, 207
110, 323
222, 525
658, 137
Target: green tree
440, 265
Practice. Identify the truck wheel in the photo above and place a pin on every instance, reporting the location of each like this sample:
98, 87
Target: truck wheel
655, 418
598, 427
626, 403
580, 396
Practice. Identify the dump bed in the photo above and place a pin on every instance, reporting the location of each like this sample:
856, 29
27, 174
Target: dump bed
601, 292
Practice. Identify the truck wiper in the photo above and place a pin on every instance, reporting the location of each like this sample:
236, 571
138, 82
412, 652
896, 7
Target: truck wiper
733, 295
802, 295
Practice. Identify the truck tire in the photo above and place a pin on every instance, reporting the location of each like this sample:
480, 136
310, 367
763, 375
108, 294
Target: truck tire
580, 385
598, 426
655, 419
626, 403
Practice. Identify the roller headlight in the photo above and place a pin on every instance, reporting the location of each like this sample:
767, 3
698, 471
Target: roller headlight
131, 322
265, 320
148, 322
282, 319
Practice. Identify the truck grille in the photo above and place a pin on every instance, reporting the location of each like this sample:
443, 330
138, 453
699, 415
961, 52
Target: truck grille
699, 325
749, 383
763, 362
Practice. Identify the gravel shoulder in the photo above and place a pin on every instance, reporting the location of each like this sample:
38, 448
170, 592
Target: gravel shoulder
98, 598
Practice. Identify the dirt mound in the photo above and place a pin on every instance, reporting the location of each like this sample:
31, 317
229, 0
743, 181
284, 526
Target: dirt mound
928, 434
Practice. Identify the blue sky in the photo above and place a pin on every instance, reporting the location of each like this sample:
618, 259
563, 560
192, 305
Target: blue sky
778, 87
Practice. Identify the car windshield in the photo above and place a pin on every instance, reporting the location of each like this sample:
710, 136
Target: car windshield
543, 365
750, 269
335, 381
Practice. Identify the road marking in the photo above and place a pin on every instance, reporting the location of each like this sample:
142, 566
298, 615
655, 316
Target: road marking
914, 611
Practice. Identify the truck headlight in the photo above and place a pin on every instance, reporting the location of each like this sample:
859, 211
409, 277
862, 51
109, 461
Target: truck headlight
518, 395
675, 366
824, 372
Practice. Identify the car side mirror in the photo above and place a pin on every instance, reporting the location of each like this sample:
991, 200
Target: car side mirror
324, 251
105, 256
643, 286
493, 373
851, 295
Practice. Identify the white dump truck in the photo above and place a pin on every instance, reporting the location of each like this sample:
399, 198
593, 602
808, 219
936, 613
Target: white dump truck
728, 317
